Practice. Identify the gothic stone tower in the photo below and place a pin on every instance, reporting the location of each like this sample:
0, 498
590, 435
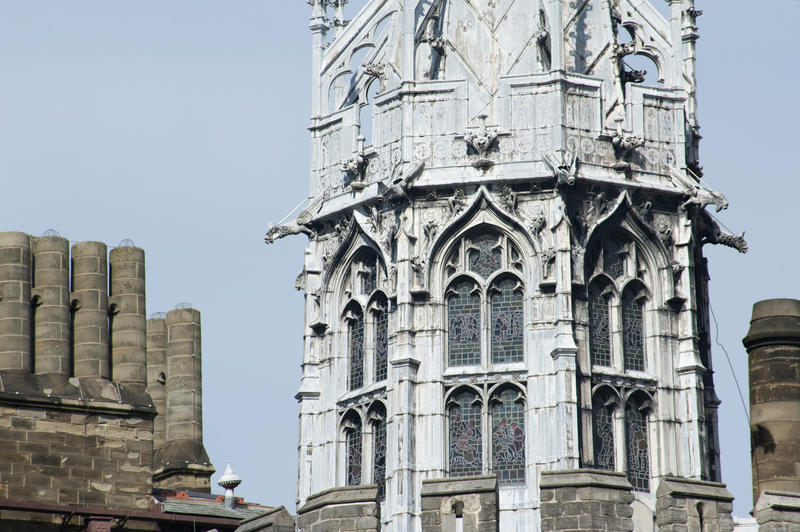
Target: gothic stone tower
504, 273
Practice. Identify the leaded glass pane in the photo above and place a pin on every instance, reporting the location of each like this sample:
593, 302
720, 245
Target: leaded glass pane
507, 323
465, 430
354, 455
508, 438
379, 455
356, 347
599, 337
613, 261
369, 277
485, 255
633, 334
464, 316
637, 446
381, 344
603, 431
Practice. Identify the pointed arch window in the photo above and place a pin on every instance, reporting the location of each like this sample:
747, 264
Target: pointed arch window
507, 322
355, 334
485, 301
379, 453
632, 331
464, 318
637, 443
465, 432
353, 451
603, 432
508, 436
616, 303
381, 339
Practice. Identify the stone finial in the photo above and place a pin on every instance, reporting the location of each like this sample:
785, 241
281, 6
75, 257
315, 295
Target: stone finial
229, 481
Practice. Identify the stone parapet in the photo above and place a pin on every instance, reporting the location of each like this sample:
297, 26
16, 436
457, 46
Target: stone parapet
473, 500
276, 520
684, 504
341, 509
778, 511
586, 500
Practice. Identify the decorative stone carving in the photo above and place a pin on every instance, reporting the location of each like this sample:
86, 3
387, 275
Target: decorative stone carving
377, 71
624, 146
355, 168
457, 202
481, 143
508, 199
564, 165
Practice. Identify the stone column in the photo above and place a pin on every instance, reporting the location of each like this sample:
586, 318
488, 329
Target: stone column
128, 325
15, 302
683, 504
157, 376
586, 500
773, 345
52, 342
90, 297
184, 376
471, 500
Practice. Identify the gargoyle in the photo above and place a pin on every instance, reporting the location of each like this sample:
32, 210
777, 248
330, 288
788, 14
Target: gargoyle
481, 143
699, 195
708, 231
400, 187
377, 71
564, 165
302, 224
625, 144
357, 166
633, 76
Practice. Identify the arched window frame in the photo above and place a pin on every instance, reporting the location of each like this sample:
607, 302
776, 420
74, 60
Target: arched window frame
485, 399
457, 270
618, 404
363, 294
365, 417
376, 416
351, 432
614, 288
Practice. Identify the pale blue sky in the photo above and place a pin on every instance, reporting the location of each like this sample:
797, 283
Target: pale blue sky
181, 124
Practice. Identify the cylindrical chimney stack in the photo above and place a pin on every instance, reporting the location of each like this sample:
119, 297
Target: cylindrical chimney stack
157, 376
15, 302
184, 377
52, 335
90, 296
773, 346
128, 322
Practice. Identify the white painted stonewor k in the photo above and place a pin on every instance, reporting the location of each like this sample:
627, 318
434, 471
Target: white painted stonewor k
504, 273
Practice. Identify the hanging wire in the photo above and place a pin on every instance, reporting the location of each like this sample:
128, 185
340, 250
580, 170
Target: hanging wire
730, 364
293, 210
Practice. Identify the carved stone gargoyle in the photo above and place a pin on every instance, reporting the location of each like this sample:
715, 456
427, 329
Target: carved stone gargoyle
481, 143
356, 167
377, 71
302, 224
564, 165
623, 148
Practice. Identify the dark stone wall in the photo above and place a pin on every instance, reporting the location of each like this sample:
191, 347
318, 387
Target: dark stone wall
60, 450
473, 500
348, 509
586, 500
683, 505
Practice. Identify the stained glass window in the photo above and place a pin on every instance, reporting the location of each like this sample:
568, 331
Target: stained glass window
507, 323
508, 437
613, 260
354, 454
464, 316
603, 432
599, 337
465, 430
633, 333
637, 446
369, 276
379, 455
485, 256
355, 328
381, 344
